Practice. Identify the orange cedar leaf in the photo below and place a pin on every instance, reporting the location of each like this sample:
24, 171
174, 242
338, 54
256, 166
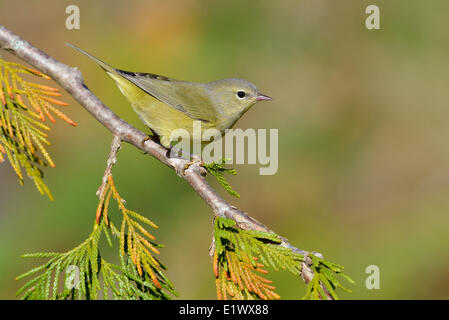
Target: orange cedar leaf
275, 295
259, 293
122, 238
43, 151
155, 281
247, 279
215, 262
150, 272
106, 205
269, 287
9, 90
239, 275
20, 101
133, 250
217, 285
43, 87
37, 108
2, 97
37, 73
139, 266
149, 245
272, 295
231, 267
154, 261
258, 266
137, 263
11, 132
232, 272
50, 93
61, 103
230, 289
100, 207
262, 271
223, 288
63, 116
265, 280
143, 230
49, 116
19, 132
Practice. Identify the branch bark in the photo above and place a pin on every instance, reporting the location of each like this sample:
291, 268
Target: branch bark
71, 80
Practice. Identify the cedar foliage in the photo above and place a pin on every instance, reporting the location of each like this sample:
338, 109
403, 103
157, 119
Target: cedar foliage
240, 257
24, 106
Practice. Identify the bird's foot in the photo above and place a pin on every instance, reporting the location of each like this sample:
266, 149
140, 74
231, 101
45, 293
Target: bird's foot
147, 137
195, 159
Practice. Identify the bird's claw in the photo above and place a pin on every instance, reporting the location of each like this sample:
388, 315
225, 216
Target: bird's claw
189, 164
148, 137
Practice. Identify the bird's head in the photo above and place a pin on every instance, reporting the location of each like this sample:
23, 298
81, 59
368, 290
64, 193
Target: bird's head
235, 96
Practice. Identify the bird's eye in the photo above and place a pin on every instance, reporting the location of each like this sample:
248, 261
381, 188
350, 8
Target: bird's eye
241, 94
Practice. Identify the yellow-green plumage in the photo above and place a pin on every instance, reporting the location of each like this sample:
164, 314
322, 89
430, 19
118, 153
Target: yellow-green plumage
165, 104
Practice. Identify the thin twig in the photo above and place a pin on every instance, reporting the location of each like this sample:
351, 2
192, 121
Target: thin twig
112, 159
72, 81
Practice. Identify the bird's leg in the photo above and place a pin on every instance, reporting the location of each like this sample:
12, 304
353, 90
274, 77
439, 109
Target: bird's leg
150, 136
178, 152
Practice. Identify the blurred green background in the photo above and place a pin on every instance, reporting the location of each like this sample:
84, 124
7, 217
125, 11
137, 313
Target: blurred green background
362, 116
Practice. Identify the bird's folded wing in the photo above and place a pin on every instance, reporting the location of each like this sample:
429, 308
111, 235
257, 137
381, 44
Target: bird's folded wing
189, 98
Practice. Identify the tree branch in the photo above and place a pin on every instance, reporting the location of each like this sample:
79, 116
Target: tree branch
72, 81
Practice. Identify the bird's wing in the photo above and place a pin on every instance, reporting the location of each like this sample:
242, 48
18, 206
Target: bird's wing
191, 99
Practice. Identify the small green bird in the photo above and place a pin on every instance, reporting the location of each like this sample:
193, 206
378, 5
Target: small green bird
166, 104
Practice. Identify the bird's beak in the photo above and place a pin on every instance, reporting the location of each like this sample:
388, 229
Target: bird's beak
262, 97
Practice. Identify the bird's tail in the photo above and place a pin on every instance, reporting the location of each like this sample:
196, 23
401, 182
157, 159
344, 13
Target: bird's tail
102, 64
